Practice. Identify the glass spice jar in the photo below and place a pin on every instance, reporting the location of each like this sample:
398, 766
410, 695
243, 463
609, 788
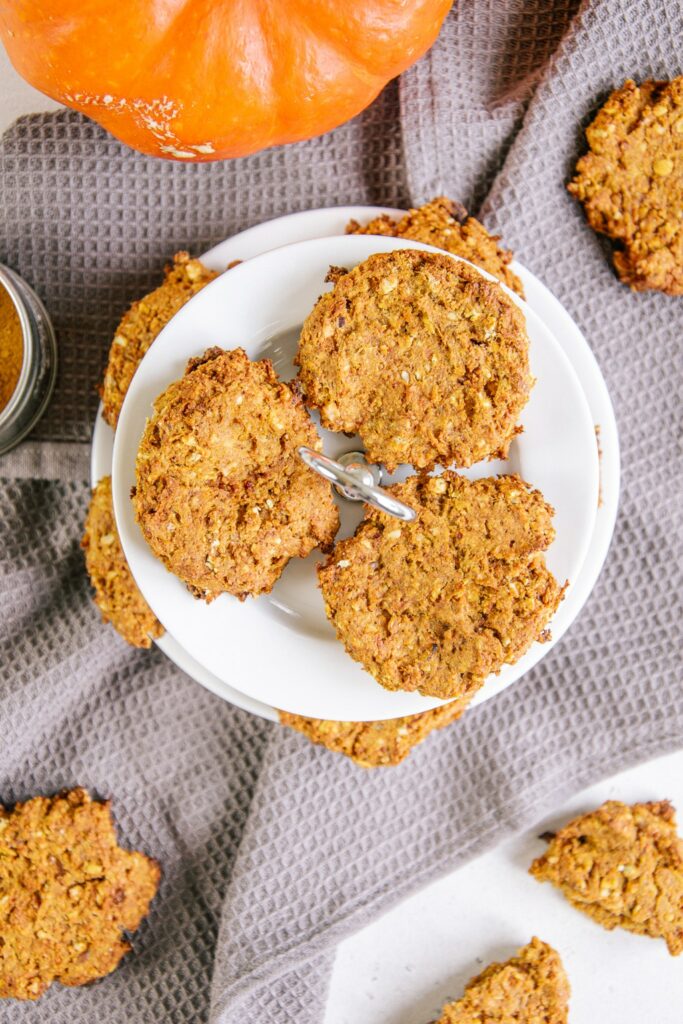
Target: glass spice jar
29, 353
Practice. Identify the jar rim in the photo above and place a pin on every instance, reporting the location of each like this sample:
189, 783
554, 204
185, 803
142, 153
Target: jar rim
7, 281
38, 373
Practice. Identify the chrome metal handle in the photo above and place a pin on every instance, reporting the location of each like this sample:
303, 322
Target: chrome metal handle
355, 481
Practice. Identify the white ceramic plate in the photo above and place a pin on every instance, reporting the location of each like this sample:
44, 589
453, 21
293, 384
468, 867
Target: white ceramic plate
281, 647
332, 221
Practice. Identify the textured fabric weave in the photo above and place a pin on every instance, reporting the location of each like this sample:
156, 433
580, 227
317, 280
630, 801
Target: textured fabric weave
272, 849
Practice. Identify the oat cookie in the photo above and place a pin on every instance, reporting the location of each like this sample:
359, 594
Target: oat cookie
439, 604
116, 592
142, 323
375, 744
623, 866
631, 182
419, 354
222, 497
68, 892
529, 988
446, 225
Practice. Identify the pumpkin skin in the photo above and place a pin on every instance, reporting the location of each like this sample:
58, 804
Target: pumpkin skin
207, 79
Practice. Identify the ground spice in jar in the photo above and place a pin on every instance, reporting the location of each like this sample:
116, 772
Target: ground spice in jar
11, 347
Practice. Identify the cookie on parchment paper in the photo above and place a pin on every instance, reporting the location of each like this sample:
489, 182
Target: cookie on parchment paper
623, 866
529, 988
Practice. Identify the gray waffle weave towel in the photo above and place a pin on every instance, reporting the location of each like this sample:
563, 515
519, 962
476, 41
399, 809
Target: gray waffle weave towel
273, 850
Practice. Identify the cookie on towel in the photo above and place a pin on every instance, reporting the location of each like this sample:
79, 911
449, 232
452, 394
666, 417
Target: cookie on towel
439, 604
623, 866
116, 592
419, 354
446, 225
222, 497
631, 182
68, 893
143, 322
375, 744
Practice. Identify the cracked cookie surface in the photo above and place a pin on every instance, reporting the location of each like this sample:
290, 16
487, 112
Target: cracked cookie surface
68, 892
529, 988
116, 592
420, 355
222, 497
446, 225
375, 744
631, 182
623, 866
142, 323
439, 604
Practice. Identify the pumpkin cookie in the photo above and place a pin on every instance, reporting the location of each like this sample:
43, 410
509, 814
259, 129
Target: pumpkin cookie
222, 497
530, 988
116, 592
446, 225
419, 354
142, 323
69, 892
631, 182
623, 866
439, 604
375, 744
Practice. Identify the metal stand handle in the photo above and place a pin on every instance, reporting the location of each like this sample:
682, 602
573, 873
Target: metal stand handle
356, 481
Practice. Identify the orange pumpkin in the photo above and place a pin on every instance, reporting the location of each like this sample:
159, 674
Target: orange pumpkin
206, 79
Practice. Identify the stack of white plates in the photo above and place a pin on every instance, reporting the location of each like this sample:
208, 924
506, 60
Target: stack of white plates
279, 651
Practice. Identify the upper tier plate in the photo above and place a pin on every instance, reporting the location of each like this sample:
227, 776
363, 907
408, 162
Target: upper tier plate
280, 649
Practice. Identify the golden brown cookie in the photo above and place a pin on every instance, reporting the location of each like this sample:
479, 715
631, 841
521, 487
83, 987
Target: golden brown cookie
419, 354
529, 988
142, 323
446, 225
623, 866
68, 892
222, 497
116, 592
439, 604
375, 744
631, 182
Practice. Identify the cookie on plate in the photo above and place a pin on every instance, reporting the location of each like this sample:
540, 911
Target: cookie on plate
116, 592
529, 988
623, 866
374, 744
420, 355
222, 497
141, 325
68, 892
439, 604
631, 182
446, 225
